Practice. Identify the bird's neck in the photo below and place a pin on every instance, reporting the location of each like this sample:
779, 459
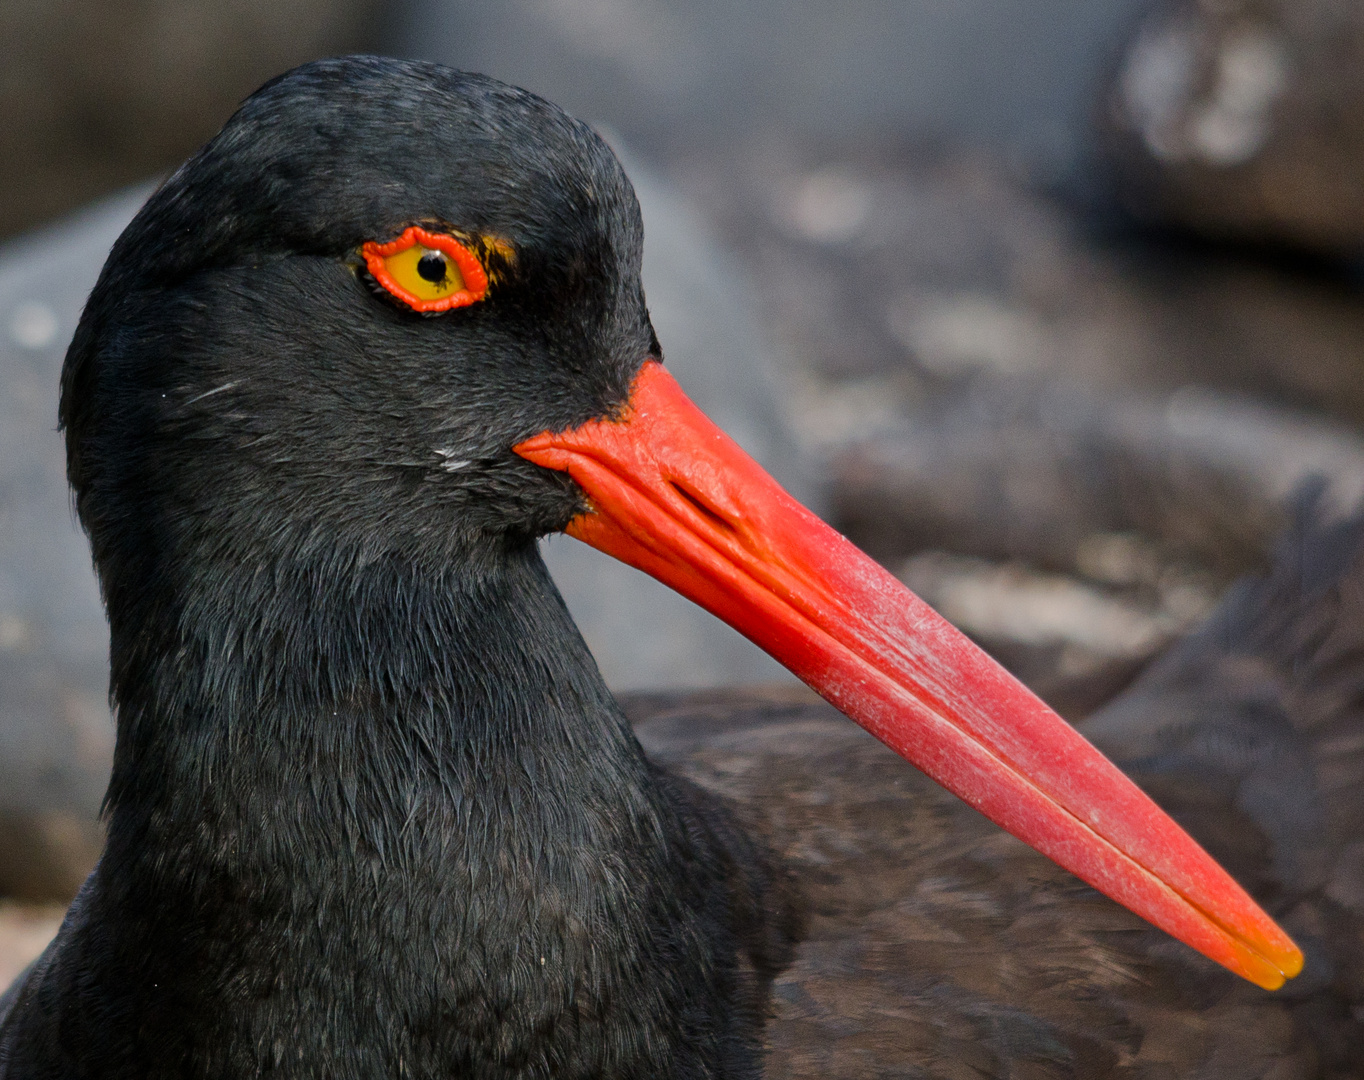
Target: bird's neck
289, 657
398, 827
294, 740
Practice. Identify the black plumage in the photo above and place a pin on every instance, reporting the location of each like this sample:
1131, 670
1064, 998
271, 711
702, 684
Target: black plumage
373, 811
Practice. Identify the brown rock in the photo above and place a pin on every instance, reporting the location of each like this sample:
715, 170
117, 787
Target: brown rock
885, 272
97, 96
989, 376
56, 742
46, 855
1244, 119
25, 930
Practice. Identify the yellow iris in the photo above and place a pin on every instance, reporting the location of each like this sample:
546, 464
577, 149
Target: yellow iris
424, 272
428, 271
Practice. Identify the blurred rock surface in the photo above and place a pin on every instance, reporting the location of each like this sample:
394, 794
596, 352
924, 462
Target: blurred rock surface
56, 735
888, 272
1244, 119
98, 96
1036, 469
676, 76
1060, 432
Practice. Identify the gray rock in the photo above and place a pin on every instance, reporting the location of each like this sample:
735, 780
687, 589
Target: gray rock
675, 74
1033, 470
56, 735
1245, 119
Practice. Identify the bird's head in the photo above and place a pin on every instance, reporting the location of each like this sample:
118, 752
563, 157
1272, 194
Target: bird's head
394, 311
339, 317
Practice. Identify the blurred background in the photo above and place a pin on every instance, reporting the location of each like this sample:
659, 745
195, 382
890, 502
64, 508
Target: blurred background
1055, 308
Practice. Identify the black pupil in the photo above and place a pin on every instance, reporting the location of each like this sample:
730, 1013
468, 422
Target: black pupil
431, 267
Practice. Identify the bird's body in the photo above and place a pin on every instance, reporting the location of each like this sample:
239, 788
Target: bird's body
373, 811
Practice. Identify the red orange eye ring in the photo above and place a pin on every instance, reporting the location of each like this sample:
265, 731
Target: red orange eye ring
470, 269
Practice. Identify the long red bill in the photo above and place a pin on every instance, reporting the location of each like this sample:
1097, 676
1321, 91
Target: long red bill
674, 496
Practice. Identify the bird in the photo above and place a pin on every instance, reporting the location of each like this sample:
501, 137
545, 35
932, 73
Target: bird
373, 810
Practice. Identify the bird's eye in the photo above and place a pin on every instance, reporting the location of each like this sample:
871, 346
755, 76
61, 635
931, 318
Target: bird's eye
427, 271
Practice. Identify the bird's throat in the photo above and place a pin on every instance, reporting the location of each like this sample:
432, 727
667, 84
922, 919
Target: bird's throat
417, 796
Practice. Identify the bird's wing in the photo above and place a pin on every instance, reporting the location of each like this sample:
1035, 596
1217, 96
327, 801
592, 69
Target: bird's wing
938, 946
1250, 732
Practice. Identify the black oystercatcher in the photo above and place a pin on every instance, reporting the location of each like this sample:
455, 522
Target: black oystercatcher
373, 811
